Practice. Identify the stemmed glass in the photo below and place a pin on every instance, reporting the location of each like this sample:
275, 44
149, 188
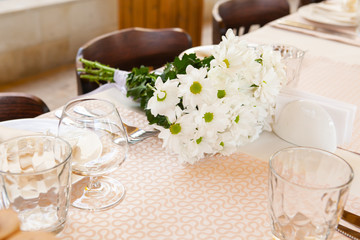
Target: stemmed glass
99, 143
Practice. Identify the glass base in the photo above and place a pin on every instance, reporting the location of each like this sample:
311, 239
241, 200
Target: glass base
96, 193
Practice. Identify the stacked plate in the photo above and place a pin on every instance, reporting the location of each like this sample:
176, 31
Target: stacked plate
328, 12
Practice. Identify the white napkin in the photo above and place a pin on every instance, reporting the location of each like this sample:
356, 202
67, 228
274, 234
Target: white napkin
120, 83
343, 114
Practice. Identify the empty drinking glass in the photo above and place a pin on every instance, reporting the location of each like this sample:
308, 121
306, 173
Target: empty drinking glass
308, 189
292, 58
99, 142
35, 181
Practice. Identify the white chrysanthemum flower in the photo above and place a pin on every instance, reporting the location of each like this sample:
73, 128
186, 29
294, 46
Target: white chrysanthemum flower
200, 145
228, 58
234, 55
231, 40
165, 98
244, 124
224, 107
179, 132
226, 143
195, 87
212, 119
272, 59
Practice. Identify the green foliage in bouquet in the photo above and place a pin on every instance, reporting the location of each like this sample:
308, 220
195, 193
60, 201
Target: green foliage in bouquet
140, 81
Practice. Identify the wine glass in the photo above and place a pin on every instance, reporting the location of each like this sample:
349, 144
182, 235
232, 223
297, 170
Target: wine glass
100, 145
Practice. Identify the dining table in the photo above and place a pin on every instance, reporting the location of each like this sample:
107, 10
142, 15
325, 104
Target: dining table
219, 197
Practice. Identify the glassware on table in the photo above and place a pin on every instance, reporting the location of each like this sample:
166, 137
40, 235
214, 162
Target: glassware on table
292, 57
100, 146
293, 5
308, 189
35, 181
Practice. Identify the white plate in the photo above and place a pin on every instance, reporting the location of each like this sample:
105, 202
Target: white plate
308, 13
33, 124
200, 51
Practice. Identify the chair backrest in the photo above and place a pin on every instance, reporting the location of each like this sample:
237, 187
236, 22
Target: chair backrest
15, 105
237, 14
241, 15
132, 47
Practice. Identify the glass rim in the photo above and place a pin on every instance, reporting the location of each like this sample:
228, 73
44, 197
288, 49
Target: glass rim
300, 53
340, 186
41, 136
74, 102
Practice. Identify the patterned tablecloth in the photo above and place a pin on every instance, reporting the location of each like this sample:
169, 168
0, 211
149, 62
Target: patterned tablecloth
218, 198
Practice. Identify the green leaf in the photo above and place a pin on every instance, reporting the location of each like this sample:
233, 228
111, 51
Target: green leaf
140, 82
159, 119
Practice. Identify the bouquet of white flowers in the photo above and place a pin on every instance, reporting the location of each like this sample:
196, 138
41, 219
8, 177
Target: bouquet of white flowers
212, 105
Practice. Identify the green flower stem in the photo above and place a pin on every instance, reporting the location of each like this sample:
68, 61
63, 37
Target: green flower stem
94, 71
96, 78
151, 87
94, 64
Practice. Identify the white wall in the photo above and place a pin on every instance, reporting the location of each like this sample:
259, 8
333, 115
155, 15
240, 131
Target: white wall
38, 35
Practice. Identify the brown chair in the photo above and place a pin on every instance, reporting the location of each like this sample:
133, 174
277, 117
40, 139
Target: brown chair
15, 105
240, 15
132, 47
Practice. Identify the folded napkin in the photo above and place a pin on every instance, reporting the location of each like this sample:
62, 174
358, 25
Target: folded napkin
334, 11
8, 133
342, 114
296, 18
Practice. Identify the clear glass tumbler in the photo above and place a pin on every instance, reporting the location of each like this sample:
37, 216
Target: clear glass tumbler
292, 58
308, 189
35, 181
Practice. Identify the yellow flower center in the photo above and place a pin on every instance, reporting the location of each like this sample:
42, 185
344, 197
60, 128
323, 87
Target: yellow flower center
208, 117
221, 94
195, 88
226, 61
175, 128
161, 96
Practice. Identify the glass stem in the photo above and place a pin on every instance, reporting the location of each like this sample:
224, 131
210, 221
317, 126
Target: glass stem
93, 184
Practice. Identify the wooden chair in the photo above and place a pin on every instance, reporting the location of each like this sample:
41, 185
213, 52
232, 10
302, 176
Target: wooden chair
15, 105
132, 47
240, 15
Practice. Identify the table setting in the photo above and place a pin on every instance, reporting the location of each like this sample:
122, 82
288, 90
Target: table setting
331, 19
177, 190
